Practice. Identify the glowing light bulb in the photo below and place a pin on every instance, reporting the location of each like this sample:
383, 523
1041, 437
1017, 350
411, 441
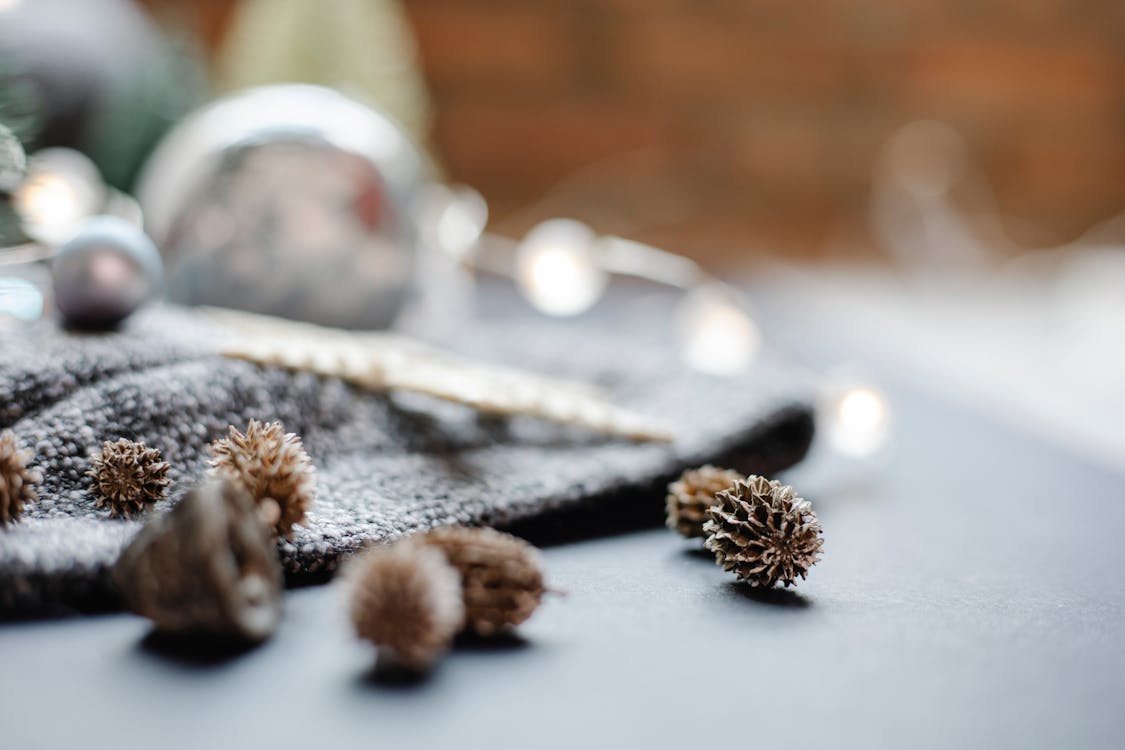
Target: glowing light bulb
62, 188
460, 224
45, 196
557, 267
716, 335
856, 418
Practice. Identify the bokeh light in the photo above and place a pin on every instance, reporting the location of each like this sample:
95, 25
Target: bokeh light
855, 417
716, 335
460, 221
557, 268
62, 188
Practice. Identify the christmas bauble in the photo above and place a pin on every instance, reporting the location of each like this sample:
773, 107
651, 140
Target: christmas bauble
289, 200
104, 272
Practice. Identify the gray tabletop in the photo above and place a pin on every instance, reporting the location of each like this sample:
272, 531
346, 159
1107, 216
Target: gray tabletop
971, 595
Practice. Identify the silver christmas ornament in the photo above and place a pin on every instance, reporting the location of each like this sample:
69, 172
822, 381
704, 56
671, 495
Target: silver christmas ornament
291, 200
104, 272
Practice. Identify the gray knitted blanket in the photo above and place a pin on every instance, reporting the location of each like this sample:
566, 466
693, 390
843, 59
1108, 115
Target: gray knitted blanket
387, 464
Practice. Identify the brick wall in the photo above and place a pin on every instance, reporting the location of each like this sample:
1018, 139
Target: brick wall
724, 126
730, 127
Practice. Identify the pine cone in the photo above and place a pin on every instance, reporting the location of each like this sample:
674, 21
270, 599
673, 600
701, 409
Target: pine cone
127, 476
762, 532
208, 566
16, 480
275, 469
406, 599
692, 494
501, 575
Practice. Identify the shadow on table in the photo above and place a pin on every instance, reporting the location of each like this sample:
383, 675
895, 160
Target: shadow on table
508, 640
699, 553
194, 651
386, 673
774, 597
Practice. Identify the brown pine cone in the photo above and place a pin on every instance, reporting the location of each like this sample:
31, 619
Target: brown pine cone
763, 533
208, 566
692, 494
501, 575
274, 468
17, 482
127, 476
406, 599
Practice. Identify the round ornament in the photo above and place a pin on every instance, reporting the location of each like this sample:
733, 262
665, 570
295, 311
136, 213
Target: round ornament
289, 200
104, 272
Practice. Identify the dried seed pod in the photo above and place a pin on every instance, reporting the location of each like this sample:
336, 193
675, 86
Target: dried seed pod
501, 575
207, 566
127, 476
17, 481
275, 469
406, 599
763, 533
692, 494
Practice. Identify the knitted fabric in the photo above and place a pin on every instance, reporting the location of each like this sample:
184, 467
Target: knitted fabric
386, 464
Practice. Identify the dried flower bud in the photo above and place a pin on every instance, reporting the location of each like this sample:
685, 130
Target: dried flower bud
692, 494
17, 481
274, 467
127, 476
207, 566
762, 532
406, 599
501, 575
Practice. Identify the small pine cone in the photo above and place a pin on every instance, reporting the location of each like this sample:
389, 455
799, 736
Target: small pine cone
17, 482
501, 575
275, 469
692, 494
209, 566
763, 533
127, 476
406, 599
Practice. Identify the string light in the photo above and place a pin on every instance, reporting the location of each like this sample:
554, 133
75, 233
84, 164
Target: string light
716, 335
557, 267
562, 268
459, 221
855, 417
62, 188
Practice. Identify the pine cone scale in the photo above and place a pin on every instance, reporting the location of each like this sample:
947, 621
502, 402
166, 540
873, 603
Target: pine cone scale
763, 532
692, 495
17, 481
273, 467
406, 599
501, 575
127, 476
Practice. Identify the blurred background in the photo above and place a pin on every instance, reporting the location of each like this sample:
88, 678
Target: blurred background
941, 180
724, 129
